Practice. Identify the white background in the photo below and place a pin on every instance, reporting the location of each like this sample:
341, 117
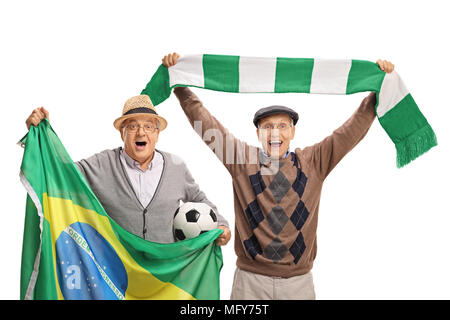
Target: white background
384, 233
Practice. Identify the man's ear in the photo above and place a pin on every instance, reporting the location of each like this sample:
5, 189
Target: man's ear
122, 134
257, 133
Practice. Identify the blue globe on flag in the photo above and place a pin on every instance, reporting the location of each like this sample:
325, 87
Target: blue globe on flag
83, 276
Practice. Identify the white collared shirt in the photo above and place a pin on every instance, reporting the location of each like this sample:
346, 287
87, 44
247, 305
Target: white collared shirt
144, 183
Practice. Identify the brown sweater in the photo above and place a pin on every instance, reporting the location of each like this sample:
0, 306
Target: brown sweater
276, 204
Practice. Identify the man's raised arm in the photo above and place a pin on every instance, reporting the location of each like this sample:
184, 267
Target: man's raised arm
231, 151
326, 154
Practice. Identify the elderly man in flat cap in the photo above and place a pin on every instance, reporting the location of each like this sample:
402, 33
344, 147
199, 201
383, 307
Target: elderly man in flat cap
139, 186
277, 193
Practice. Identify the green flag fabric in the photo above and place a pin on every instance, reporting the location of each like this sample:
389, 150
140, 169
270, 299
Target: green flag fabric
396, 110
73, 250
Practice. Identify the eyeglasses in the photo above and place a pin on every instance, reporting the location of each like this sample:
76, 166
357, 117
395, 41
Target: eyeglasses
148, 127
279, 126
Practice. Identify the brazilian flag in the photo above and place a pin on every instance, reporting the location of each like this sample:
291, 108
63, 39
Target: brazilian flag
72, 249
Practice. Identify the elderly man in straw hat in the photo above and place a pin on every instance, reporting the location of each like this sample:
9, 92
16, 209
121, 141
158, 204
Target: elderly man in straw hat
139, 186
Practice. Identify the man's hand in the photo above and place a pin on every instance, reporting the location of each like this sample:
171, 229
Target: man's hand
170, 59
36, 117
224, 237
385, 65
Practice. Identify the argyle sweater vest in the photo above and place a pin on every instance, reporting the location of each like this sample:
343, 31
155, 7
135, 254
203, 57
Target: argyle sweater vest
277, 202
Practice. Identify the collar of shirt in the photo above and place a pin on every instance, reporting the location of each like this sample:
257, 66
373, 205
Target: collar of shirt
284, 156
266, 160
133, 164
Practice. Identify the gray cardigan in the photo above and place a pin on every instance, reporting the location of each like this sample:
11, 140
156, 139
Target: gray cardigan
108, 180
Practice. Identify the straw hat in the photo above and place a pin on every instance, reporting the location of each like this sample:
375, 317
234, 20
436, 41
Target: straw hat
139, 105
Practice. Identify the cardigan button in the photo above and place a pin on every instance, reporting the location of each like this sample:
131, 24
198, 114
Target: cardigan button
145, 211
145, 230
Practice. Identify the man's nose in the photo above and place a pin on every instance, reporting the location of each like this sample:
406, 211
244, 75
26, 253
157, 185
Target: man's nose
141, 131
274, 133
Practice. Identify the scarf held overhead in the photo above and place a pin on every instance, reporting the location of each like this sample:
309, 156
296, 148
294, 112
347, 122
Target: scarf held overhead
73, 250
396, 110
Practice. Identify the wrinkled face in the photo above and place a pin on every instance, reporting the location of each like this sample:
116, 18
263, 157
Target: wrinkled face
275, 133
140, 135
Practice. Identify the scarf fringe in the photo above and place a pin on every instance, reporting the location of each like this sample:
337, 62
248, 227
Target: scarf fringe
415, 145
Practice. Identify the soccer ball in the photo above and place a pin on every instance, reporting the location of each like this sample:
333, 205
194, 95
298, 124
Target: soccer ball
192, 219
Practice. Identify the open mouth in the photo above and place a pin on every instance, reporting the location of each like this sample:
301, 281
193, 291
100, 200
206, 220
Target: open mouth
275, 143
140, 145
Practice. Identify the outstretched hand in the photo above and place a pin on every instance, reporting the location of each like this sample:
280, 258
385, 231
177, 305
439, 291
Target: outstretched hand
36, 117
224, 237
385, 65
170, 59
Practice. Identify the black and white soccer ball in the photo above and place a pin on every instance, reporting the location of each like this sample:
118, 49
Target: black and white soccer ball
192, 219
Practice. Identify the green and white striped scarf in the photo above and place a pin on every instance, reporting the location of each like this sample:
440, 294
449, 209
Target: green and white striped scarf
396, 109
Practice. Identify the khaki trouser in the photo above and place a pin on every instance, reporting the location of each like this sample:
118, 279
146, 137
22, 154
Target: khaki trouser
252, 286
